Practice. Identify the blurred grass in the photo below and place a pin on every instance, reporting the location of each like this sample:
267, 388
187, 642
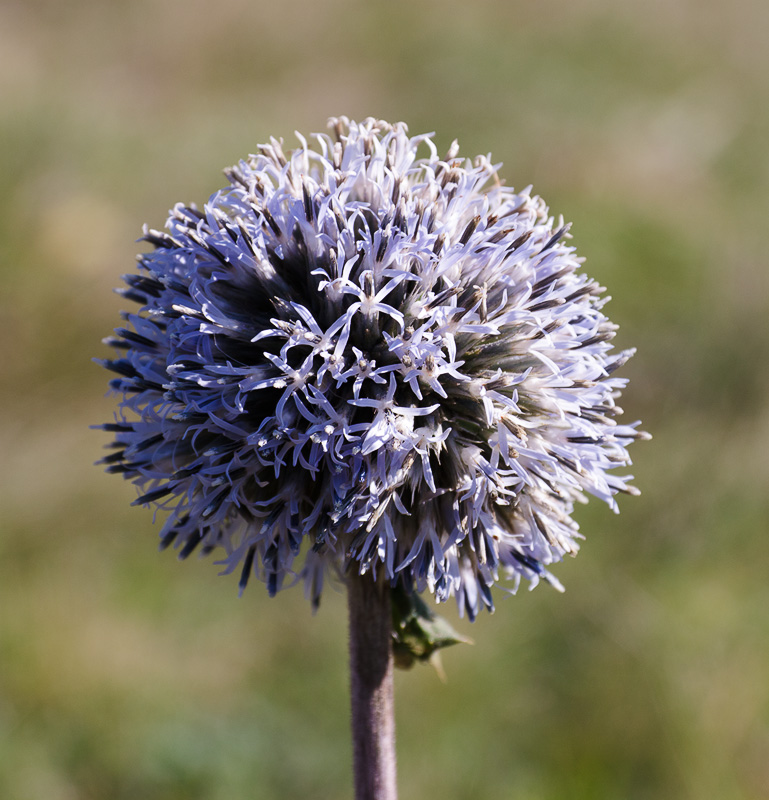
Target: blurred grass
126, 675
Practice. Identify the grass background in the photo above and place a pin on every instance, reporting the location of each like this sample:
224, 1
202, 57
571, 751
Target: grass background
126, 675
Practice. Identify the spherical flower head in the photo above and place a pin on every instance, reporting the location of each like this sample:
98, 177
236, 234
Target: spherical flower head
362, 356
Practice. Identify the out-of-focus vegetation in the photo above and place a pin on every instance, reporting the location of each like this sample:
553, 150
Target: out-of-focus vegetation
126, 675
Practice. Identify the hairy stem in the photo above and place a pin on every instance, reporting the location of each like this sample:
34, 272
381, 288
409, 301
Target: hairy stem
371, 688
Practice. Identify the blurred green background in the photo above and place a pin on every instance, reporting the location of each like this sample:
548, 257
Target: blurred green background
124, 674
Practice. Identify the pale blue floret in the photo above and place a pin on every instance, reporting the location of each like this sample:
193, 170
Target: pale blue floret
361, 356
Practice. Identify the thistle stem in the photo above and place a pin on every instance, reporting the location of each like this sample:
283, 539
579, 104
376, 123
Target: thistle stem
371, 688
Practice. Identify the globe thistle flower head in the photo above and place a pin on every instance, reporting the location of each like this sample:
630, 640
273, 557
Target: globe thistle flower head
360, 355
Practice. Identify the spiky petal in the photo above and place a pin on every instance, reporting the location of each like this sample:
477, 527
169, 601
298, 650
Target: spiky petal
361, 355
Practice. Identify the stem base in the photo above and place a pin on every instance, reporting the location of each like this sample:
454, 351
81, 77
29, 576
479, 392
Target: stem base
371, 688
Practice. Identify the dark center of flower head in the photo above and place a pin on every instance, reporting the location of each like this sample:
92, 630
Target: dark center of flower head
390, 357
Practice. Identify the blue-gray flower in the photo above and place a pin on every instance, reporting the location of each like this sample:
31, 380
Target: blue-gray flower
362, 356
